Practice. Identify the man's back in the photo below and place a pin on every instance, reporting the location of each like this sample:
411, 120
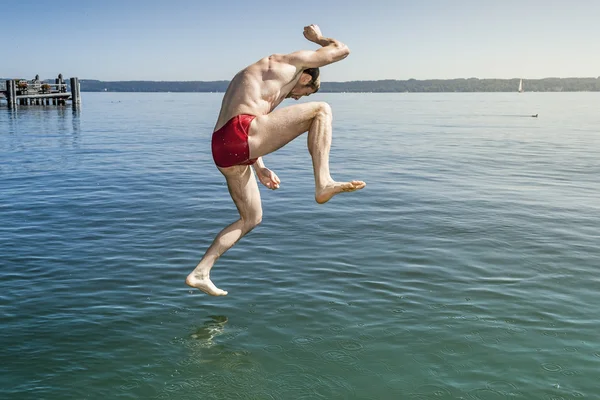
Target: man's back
258, 88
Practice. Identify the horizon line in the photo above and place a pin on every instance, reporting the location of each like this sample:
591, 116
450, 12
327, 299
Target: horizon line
346, 81
354, 80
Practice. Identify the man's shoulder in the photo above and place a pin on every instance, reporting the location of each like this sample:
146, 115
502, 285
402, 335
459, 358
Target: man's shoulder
275, 63
269, 61
278, 57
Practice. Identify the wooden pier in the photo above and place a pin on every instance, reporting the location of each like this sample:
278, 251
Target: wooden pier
20, 92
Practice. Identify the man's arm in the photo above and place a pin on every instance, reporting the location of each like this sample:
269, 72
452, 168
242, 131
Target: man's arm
265, 175
332, 50
259, 164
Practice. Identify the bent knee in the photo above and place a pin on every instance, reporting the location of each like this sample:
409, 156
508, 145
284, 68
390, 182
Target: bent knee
322, 109
252, 221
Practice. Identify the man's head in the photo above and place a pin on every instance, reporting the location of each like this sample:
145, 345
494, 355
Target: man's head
308, 84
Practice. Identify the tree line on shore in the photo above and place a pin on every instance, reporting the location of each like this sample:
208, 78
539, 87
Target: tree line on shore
380, 86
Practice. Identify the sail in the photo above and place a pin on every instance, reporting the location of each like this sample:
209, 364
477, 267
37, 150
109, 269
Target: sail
521, 86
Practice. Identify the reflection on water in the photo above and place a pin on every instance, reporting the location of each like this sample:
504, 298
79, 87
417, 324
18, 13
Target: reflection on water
35, 121
211, 329
76, 123
54, 131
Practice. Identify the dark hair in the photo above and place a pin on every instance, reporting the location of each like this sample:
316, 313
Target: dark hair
315, 83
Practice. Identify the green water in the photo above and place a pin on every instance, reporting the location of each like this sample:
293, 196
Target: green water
467, 269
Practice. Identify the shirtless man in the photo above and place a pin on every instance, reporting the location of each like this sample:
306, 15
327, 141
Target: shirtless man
248, 128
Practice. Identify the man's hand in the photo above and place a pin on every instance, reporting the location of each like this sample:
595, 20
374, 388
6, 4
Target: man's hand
313, 33
268, 178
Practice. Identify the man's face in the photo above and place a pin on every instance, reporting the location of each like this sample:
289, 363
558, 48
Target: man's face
300, 91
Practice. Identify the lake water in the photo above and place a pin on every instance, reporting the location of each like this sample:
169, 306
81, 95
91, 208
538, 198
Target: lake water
466, 269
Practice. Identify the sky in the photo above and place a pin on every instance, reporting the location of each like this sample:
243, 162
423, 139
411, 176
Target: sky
200, 40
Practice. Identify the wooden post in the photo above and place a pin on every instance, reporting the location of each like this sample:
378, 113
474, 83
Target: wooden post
75, 93
13, 89
61, 81
11, 93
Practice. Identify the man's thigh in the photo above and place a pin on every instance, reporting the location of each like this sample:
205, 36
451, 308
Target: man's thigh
272, 131
243, 190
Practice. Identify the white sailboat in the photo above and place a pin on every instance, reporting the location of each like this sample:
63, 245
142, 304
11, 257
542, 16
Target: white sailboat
521, 86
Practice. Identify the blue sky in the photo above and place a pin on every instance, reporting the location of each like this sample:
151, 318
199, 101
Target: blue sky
388, 39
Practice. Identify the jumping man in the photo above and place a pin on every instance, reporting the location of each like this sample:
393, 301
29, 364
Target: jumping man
248, 129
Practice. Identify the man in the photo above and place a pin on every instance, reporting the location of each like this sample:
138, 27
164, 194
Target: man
248, 128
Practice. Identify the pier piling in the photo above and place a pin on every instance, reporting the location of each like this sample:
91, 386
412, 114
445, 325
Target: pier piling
11, 93
75, 93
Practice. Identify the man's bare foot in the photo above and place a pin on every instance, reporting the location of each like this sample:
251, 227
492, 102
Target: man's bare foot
324, 194
204, 284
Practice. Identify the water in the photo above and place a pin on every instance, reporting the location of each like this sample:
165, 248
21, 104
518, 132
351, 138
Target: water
467, 269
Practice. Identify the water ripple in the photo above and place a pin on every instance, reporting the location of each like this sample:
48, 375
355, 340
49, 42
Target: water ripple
474, 243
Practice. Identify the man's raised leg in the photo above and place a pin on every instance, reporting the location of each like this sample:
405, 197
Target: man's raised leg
272, 131
246, 196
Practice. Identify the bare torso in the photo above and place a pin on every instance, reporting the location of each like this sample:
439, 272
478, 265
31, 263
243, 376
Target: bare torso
259, 88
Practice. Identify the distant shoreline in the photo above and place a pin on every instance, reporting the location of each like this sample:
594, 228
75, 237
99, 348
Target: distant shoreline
470, 85
380, 86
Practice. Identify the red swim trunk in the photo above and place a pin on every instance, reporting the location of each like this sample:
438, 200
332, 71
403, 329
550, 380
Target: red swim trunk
230, 143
